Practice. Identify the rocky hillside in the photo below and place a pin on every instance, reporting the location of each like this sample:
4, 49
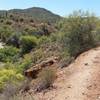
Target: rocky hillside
37, 54
31, 21
78, 81
36, 13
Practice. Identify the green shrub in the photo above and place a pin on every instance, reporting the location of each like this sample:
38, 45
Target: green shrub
77, 32
28, 43
14, 40
5, 33
8, 53
9, 75
25, 63
30, 30
38, 55
44, 40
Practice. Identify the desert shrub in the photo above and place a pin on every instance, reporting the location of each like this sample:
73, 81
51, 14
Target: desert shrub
11, 16
28, 43
38, 55
14, 40
25, 63
97, 33
30, 59
8, 92
46, 78
44, 28
5, 33
10, 75
77, 32
8, 53
54, 37
65, 57
21, 20
11, 92
8, 22
44, 40
30, 30
1, 20
31, 20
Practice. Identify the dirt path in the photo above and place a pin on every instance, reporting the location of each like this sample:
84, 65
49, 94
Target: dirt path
79, 81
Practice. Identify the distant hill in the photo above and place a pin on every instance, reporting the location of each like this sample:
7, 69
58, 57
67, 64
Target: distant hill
36, 13
38, 21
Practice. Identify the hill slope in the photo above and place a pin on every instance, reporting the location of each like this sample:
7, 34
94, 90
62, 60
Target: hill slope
36, 21
36, 13
79, 81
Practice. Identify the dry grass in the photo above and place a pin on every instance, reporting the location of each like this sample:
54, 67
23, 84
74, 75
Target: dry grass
45, 79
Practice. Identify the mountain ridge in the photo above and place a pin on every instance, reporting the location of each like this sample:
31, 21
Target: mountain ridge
36, 13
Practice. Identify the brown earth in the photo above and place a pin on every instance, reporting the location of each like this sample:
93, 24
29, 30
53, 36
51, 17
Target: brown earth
78, 81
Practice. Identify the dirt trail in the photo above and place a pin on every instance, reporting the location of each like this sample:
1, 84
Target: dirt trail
79, 81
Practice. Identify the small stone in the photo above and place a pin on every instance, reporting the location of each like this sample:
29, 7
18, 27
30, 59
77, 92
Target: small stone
86, 64
69, 86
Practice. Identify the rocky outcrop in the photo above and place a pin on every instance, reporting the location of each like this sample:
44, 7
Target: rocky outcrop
33, 71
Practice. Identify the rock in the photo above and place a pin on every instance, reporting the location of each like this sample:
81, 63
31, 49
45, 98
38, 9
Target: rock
69, 86
86, 64
33, 71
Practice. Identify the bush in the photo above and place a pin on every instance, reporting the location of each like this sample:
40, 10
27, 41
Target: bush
5, 33
25, 63
1, 20
11, 92
9, 75
77, 32
8, 22
31, 30
28, 43
8, 53
44, 40
46, 79
65, 57
21, 20
14, 40
38, 56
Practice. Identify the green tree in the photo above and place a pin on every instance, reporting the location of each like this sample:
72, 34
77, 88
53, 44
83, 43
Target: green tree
77, 32
28, 43
8, 53
5, 33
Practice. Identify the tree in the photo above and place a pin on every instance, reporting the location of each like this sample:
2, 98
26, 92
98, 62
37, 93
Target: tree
5, 33
14, 40
28, 43
77, 32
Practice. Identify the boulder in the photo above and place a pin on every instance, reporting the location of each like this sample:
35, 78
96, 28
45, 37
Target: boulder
33, 71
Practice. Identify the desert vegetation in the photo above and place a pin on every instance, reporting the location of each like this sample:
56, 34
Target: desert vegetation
30, 41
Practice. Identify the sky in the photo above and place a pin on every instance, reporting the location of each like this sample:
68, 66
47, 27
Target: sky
61, 7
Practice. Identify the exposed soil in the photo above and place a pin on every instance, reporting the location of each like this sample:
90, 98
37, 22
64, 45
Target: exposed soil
78, 81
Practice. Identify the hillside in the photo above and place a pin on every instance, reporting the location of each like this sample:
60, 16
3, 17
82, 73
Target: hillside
79, 81
36, 54
36, 13
31, 21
